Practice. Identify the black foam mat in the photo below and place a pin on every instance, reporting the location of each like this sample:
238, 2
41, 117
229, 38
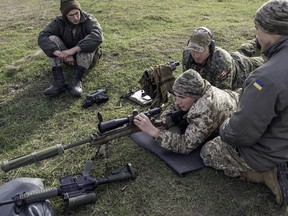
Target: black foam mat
180, 163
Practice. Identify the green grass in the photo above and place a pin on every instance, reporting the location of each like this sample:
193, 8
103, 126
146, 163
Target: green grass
138, 34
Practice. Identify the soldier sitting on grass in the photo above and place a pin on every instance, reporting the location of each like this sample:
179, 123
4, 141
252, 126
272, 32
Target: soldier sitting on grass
74, 39
253, 143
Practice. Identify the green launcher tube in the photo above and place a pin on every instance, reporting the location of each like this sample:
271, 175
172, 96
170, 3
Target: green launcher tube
34, 157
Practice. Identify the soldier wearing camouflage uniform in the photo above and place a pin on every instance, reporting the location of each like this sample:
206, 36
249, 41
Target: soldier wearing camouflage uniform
74, 39
251, 48
253, 143
223, 69
206, 106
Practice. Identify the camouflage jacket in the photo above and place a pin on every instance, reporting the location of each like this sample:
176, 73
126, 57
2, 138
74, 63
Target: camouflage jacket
223, 69
88, 34
206, 115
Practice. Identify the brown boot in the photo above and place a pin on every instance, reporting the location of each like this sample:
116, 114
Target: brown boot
269, 178
271, 181
282, 176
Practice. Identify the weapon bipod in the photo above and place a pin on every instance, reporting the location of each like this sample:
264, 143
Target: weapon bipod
105, 148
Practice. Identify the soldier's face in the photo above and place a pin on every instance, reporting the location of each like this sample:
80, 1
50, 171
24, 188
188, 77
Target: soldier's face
200, 57
264, 38
184, 102
74, 16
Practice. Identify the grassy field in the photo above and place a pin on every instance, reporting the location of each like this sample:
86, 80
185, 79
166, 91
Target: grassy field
138, 34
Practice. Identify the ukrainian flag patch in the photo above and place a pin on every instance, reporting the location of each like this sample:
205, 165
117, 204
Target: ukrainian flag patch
258, 84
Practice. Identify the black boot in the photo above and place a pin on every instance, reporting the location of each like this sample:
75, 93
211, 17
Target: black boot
58, 84
76, 85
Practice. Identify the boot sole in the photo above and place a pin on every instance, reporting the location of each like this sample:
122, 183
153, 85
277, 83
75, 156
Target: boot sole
282, 176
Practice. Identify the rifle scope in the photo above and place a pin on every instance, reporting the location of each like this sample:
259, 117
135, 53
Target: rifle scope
115, 123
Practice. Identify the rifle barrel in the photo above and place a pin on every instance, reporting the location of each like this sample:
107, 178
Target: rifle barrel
34, 157
78, 143
6, 202
96, 139
40, 195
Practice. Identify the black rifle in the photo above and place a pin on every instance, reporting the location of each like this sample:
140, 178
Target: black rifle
108, 131
97, 97
75, 189
177, 119
177, 116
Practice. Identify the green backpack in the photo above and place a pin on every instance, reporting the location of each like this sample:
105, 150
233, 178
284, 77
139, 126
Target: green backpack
157, 81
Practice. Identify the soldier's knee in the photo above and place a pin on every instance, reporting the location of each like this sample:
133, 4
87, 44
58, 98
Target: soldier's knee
210, 151
206, 153
54, 38
84, 59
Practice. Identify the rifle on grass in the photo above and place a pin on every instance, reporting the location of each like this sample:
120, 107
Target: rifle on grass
75, 189
108, 131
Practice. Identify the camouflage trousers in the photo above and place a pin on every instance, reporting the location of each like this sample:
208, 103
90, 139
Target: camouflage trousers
83, 59
222, 156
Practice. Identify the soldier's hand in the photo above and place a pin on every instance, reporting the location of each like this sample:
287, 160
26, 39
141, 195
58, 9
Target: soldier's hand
60, 54
145, 125
69, 60
167, 121
72, 51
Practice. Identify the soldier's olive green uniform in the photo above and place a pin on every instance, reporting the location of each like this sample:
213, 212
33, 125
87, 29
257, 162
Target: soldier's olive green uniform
223, 69
251, 48
61, 35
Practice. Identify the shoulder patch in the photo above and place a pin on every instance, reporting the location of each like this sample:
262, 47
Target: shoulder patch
258, 84
223, 73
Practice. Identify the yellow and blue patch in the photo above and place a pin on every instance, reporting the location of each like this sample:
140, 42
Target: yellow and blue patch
258, 84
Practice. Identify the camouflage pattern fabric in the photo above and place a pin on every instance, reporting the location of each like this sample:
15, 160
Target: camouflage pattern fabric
83, 59
221, 69
273, 17
204, 117
199, 39
222, 156
245, 65
156, 82
251, 48
190, 83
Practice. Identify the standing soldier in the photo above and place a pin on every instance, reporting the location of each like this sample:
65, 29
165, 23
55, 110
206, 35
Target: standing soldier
73, 38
